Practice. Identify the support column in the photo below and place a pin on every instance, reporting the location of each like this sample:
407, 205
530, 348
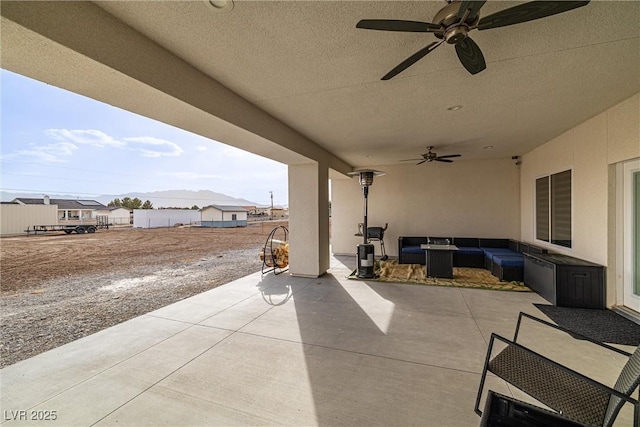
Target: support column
308, 219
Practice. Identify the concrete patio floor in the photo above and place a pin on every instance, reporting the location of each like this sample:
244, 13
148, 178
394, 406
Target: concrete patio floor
281, 350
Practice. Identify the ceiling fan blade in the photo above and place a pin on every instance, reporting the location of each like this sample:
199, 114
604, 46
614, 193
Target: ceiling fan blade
411, 60
419, 163
527, 12
470, 55
409, 160
398, 25
449, 156
473, 6
438, 159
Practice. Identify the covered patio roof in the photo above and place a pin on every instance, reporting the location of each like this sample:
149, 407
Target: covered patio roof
296, 80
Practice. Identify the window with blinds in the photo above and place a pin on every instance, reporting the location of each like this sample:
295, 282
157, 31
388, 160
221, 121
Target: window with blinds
542, 209
553, 208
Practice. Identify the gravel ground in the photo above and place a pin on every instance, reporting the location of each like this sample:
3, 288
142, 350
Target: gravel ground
47, 306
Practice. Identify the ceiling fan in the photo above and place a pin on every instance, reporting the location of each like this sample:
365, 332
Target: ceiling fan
454, 22
431, 156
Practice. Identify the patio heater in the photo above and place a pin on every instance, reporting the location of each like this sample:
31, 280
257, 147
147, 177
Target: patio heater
366, 253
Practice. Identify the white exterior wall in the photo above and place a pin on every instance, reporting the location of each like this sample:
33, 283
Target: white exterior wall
475, 198
14, 219
152, 218
588, 149
213, 214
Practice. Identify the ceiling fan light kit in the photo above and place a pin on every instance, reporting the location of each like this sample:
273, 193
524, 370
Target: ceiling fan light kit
454, 22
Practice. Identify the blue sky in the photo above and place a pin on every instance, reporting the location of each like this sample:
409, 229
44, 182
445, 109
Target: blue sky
58, 142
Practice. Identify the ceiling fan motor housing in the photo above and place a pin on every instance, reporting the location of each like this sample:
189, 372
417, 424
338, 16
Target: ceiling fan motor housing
449, 19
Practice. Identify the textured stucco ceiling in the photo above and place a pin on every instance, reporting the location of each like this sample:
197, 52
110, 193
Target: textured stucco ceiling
306, 64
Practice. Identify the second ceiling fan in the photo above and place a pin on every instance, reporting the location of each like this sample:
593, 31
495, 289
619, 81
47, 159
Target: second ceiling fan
431, 157
454, 22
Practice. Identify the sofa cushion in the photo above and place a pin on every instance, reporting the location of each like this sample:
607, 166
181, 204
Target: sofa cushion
466, 250
491, 251
493, 243
467, 242
412, 241
412, 250
509, 260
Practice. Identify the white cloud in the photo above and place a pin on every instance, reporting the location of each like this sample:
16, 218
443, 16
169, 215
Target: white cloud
69, 140
154, 147
46, 153
92, 137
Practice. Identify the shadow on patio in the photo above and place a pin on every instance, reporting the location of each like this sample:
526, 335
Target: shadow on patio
280, 350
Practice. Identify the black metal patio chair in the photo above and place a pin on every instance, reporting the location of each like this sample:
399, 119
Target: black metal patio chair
560, 388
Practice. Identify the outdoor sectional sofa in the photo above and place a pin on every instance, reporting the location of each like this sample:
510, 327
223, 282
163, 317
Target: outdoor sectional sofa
502, 257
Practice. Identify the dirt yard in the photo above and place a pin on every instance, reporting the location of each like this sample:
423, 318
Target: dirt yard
56, 288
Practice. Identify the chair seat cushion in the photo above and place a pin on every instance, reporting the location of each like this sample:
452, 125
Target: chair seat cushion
509, 260
466, 250
412, 250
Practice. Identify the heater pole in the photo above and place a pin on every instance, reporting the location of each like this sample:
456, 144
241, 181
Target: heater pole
366, 252
365, 191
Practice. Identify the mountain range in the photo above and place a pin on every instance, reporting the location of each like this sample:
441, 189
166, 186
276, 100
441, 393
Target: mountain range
166, 198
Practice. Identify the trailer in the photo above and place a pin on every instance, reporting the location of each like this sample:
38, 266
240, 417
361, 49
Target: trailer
78, 228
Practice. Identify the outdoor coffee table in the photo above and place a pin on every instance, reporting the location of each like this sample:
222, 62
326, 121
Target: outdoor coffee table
439, 260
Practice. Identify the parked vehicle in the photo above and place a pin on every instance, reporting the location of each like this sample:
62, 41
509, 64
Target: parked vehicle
68, 229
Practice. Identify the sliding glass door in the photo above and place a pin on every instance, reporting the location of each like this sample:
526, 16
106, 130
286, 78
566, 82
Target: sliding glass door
631, 235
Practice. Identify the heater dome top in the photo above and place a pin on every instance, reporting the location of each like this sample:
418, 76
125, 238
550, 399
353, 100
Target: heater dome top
373, 171
366, 176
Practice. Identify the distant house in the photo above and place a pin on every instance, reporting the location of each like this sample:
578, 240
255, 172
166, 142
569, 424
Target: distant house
117, 215
261, 211
70, 211
251, 210
223, 216
278, 212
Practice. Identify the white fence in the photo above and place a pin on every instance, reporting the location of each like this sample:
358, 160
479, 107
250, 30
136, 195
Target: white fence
157, 218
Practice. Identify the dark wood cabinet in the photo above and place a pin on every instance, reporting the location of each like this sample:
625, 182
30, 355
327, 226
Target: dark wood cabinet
566, 281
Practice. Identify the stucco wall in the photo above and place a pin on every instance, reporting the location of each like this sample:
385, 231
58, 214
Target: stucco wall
462, 199
587, 149
14, 219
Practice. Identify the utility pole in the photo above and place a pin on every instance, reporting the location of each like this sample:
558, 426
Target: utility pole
271, 192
